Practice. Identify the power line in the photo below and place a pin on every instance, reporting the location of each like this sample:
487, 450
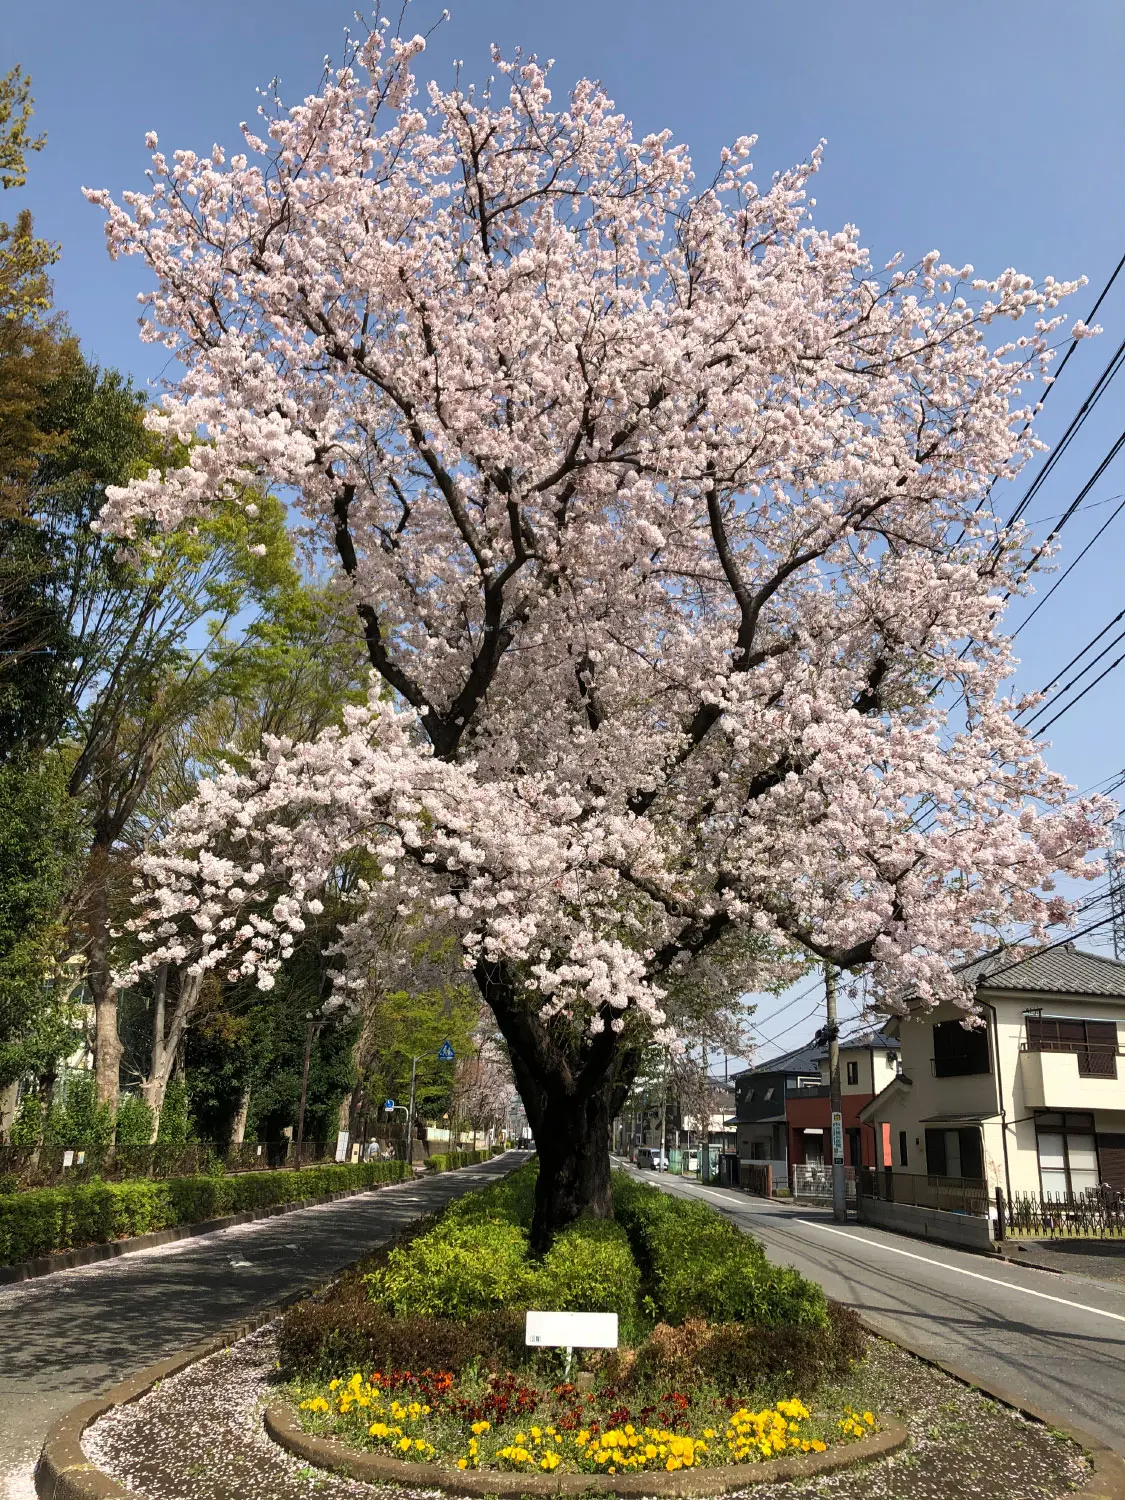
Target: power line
1042, 729
1102, 295
1097, 391
1066, 573
1077, 678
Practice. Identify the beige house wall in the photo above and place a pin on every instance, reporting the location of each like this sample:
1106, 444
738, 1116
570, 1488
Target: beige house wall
1028, 1082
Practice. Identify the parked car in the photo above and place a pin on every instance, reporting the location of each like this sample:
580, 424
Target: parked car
652, 1156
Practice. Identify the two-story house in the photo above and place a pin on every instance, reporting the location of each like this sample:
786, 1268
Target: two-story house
1032, 1099
782, 1109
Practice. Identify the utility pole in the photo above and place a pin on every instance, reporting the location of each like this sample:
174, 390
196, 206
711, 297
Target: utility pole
410, 1114
705, 1126
664, 1114
839, 1188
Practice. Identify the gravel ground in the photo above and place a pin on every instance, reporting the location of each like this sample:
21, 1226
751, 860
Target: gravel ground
199, 1436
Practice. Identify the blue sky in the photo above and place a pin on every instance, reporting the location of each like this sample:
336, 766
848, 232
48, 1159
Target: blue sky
993, 132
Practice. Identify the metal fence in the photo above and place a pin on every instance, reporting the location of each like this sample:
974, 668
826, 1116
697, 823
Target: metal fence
958, 1195
1096, 1214
814, 1180
52, 1166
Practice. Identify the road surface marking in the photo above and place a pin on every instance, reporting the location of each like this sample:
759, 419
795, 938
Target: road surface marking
942, 1265
1013, 1286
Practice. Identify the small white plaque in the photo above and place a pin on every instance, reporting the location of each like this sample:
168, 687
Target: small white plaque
68, 1158
571, 1330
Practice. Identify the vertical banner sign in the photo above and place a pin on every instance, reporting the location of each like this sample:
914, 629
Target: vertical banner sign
837, 1135
342, 1145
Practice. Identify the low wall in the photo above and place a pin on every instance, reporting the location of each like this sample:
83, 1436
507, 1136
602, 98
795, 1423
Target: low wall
970, 1230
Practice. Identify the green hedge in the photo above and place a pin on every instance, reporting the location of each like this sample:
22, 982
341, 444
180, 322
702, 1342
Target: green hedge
697, 1265
476, 1260
446, 1161
43, 1220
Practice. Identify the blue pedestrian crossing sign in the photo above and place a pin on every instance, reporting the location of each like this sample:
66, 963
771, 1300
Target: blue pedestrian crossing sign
388, 1105
445, 1052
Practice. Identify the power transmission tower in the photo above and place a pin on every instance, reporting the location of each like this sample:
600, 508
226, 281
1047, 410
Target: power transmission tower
1117, 885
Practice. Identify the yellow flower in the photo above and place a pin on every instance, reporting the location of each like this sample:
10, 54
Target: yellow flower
869, 1418
479, 1427
462, 1463
404, 1444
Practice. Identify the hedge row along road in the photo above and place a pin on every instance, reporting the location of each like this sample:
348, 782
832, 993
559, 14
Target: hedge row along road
70, 1335
1055, 1342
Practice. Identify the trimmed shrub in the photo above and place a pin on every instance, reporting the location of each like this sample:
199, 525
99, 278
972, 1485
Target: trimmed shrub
134, 1121
325, 1338
43, 1220
589, 1267
696, 1265
769, 1361
448, 1161
175, 1125
476, 1260
463, 1266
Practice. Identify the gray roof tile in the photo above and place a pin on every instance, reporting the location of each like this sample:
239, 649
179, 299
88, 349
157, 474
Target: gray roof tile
1065, 970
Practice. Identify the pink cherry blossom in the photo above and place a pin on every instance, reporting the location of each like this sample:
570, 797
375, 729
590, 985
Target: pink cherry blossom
660, 509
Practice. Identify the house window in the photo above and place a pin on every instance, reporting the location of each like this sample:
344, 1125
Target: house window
749, 1095
769, 1092
1068, 1154
958, 1051
903, 1155
1094, 1041
853, 1072
955, 1153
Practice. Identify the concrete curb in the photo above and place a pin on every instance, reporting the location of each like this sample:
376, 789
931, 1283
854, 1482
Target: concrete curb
1106, 1482
88, 1255
63, 1472
284, 1427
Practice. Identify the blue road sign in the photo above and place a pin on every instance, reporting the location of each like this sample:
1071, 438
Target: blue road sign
388, 1105
445, 1052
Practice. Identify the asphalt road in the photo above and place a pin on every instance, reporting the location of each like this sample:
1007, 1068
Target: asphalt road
68, 1336
1056, 1342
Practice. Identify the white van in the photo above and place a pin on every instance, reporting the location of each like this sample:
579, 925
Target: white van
652, 1156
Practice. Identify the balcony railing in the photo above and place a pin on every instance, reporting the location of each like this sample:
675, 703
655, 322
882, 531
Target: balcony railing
1094, 1059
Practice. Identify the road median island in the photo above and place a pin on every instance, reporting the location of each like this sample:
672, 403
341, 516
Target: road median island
657, 1416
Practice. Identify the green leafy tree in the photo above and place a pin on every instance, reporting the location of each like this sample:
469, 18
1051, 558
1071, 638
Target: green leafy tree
40, 850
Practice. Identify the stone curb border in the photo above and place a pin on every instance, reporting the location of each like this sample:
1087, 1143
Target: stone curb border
283, 1426
88, 1255
63, 1472
1107, 1479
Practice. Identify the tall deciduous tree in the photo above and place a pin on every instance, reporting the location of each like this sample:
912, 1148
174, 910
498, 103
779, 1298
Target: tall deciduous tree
662, 513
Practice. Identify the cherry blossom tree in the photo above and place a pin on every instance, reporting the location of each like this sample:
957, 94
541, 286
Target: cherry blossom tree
661, 512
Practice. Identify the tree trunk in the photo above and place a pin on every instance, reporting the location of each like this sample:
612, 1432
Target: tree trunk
167, 1039
571, 1088
238, 1134
8, 1097
107, 1043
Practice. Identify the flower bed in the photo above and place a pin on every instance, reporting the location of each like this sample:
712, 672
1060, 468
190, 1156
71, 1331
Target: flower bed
420, 1355
509, 1423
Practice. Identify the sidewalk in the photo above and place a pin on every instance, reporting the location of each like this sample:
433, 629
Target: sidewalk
1099, 1260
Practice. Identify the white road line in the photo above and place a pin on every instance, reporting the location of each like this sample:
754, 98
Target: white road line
1012, 1286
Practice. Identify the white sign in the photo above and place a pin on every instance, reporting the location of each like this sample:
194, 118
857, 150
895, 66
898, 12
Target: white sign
837, 1136
68, 1158
571, 1330
342, 1146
